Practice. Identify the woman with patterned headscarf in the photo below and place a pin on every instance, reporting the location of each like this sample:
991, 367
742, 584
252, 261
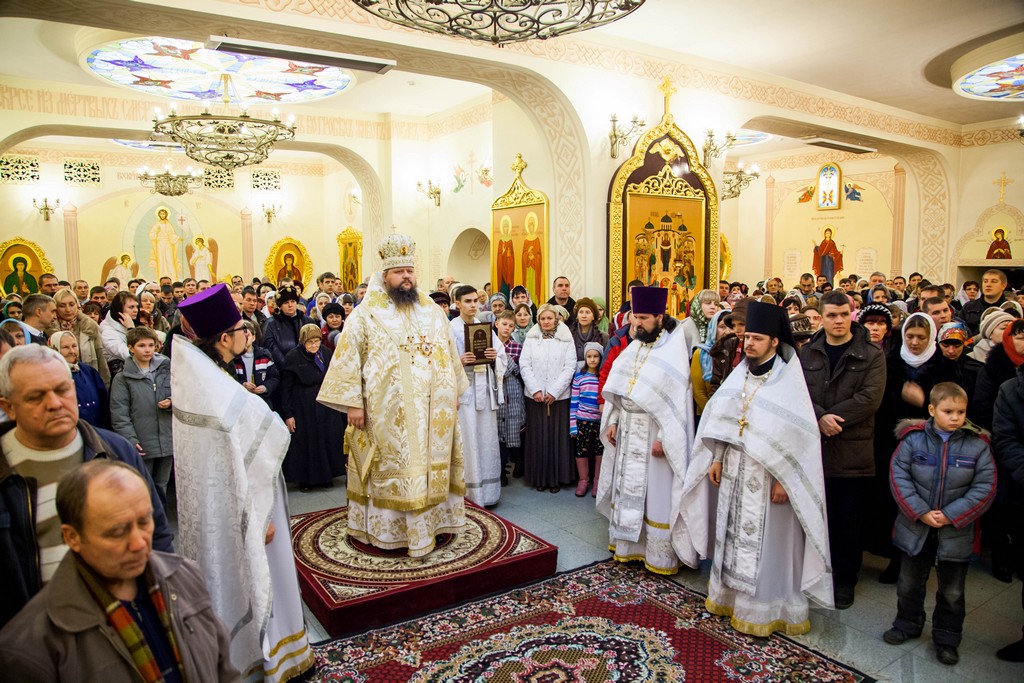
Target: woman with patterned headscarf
702, 308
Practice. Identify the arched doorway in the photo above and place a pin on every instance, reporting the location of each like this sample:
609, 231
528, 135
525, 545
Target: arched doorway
469, 260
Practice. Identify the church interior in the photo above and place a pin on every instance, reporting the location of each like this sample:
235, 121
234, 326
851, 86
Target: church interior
789, 124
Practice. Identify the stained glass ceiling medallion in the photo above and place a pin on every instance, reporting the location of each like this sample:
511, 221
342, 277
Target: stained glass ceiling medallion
186, 70
1002, 80
746, 137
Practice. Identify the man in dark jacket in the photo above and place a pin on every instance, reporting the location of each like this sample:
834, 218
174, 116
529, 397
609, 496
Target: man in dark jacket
845, 375
561, 298
993, 288
164, 625
1008, 443
45, 440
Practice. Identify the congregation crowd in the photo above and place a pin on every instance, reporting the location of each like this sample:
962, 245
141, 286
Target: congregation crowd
917, 390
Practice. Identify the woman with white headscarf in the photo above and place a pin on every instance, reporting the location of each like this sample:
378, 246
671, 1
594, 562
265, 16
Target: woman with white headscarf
914, 367
93, 402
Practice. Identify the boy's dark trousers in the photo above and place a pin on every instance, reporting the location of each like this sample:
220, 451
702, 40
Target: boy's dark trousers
948, 617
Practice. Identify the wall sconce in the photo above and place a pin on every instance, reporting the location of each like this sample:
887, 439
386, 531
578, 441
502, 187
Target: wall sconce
1020, 130
714, 150
738, 180
46, 208
352, 200
271, 211
432, 191
620, 136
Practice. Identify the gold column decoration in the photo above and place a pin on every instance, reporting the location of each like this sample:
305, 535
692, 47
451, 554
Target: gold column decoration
350, 258
681, 182
519, 238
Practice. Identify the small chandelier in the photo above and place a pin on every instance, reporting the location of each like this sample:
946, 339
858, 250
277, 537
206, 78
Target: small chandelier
739, 180
500, 22
225, 141
170, 184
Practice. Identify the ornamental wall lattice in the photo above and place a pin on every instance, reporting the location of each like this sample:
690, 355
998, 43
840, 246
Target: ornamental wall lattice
82, 172
216, 178
266, 179
19, 169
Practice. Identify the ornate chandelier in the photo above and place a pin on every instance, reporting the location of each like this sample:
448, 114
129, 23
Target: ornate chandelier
222, 140
500, 22
170, 184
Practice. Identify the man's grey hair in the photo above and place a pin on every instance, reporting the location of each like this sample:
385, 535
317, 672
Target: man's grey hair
30, 354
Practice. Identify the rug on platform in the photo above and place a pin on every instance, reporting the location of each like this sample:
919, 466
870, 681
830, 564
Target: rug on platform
351, 586
604, 622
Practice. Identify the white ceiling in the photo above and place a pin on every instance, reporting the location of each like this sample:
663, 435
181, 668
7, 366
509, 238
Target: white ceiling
34, 49
875, 49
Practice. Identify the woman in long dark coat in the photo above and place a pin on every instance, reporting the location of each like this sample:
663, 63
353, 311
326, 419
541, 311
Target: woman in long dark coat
316, 453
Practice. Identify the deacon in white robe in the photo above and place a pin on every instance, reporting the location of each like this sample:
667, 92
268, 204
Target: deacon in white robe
396, 372
647, 431
229, 447
478, 408
756, 490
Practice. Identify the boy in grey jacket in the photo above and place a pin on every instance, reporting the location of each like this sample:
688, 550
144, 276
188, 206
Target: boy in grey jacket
943, 478
140, 405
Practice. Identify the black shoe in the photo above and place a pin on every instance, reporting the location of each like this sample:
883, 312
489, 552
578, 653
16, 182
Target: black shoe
504, 479
892, 572
517, 470
947, 654
843, 597
1002, 573
895, 636
304, 487
1012, 653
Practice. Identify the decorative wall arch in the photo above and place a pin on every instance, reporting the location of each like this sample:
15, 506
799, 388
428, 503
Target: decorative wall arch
979, 225
545, 104
370, 184
926, 166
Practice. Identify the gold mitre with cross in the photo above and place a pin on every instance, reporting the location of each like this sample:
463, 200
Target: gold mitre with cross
397, 251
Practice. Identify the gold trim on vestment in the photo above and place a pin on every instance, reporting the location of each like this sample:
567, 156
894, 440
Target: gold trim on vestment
642, 558
420, 504
286, 641
758, 630
301, 667
656, 525
288, 656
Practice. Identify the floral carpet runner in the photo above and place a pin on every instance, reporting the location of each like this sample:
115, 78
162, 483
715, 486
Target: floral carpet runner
605, 622
351, 586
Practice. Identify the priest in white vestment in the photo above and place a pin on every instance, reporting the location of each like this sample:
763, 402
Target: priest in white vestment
396, 372
478, 406
647, 431
756, 488
232, 500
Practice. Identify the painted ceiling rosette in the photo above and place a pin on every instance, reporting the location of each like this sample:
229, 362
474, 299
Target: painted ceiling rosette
186, 70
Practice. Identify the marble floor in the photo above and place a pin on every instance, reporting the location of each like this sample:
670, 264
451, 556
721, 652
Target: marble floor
853, 636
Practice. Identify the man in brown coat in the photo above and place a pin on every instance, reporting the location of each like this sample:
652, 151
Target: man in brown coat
845, 375
115, 610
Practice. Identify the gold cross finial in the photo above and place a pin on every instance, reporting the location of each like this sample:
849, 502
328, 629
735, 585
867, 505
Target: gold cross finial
668, 90
519, 165
1002, 181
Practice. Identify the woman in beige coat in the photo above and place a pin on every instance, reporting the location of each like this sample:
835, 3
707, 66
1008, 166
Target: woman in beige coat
70, 318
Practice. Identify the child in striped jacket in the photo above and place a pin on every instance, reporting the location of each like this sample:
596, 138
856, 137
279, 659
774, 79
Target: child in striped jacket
585, 418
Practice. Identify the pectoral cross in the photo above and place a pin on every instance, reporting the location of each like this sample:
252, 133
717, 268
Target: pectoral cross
742, 422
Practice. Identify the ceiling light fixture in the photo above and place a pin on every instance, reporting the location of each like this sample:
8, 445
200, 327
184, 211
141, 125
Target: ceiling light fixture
223, 140
500, 22
170, 184
739, 180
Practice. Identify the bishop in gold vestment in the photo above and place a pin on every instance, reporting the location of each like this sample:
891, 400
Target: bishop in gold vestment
397, 361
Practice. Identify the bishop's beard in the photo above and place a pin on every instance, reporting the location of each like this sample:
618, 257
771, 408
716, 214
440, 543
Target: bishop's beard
646, 337
403, 298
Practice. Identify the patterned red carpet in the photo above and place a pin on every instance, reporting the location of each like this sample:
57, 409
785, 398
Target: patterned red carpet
605, 622
351, 587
